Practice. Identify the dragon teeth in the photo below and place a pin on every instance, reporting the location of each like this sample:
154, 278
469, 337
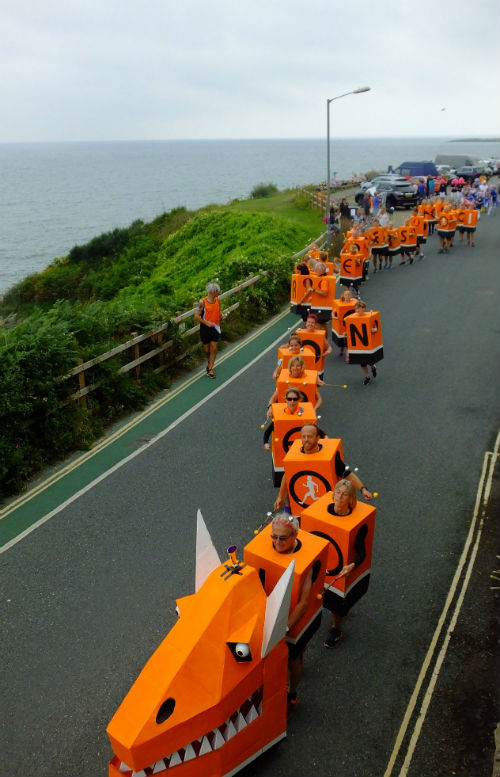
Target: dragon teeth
242, 717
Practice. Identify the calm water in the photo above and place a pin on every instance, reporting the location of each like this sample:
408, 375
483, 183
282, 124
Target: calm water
56, 195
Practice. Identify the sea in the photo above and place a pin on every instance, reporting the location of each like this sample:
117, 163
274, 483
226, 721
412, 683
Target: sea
54, 196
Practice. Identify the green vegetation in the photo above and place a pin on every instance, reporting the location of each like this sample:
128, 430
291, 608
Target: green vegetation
123, 282
263, 190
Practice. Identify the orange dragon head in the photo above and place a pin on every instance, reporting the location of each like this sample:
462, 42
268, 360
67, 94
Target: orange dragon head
213, 695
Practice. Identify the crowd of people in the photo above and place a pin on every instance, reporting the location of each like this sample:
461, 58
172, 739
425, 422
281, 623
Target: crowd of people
372, 243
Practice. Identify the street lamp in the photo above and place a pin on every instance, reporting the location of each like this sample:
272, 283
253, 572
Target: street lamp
354, 91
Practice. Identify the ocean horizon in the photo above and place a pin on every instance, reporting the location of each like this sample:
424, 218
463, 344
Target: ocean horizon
55, 195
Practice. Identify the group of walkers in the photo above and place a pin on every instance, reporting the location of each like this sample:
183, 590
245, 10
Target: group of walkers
372, 244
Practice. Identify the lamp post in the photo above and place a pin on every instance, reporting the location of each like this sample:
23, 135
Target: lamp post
354, 91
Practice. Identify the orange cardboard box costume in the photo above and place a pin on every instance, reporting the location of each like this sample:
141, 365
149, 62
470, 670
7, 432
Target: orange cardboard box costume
312, 552
310, 475
287, 427
307, 383
338, 325
307, 354
364, 338
350, 539
351, 269
316, 341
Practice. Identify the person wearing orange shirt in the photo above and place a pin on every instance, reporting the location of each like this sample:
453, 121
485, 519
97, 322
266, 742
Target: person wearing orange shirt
209, 316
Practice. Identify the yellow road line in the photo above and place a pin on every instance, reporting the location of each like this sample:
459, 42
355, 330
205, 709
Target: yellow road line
488, 464
20, 501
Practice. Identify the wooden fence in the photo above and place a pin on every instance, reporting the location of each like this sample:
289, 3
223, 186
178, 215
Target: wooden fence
156, 338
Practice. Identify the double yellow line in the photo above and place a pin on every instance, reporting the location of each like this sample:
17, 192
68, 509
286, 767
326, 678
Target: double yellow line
111, 438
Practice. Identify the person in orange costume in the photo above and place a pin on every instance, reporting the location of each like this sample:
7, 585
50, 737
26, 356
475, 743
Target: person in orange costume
310, 436
209, 316
296, 369
360, 310
344, 502
284, 538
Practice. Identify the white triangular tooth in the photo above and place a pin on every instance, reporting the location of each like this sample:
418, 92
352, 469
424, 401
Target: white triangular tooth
205, 746
189, 753
124, 768
259, 707
252, 714
175, 759
230, 730
240, 722
142, 773
218, 739
159, 766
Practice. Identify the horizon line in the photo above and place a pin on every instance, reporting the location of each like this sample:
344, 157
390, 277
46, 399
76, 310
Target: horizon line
471, 139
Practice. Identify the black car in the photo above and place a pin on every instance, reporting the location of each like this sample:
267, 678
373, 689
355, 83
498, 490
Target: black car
395, 193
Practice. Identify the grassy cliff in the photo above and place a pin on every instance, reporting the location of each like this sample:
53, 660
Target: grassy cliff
128, 280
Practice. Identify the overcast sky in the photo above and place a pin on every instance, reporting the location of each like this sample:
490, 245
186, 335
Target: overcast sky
162, 69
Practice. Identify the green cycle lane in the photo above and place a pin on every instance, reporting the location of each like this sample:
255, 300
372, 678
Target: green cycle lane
130, 438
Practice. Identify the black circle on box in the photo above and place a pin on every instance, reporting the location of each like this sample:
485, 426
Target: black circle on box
287, 442
300, 474
314, 346
335, 570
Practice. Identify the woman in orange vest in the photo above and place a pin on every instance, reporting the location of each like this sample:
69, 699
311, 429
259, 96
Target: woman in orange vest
209, 316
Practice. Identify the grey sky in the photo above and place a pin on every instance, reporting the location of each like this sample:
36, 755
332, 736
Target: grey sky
161, 69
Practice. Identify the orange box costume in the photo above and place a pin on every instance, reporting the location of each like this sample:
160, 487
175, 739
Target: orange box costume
350, 539
287, 427
312, 552
364, 345
299, 286
408, 237
356, 245
351, 268
310, 475
306, 354
307, 383
338, 325
316, 341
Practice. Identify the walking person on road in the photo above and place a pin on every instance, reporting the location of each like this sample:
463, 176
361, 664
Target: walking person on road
209, 316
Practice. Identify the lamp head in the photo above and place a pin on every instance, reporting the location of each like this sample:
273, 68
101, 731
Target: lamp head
361, 89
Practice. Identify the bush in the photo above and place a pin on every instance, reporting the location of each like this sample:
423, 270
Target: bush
263, 190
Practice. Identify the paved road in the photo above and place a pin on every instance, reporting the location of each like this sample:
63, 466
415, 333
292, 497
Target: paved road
88, 596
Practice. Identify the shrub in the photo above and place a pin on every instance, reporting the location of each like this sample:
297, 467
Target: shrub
263, 190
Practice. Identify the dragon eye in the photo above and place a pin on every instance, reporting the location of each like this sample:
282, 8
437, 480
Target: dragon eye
240, 650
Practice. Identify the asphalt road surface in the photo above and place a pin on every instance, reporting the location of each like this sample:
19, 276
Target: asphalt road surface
89, 594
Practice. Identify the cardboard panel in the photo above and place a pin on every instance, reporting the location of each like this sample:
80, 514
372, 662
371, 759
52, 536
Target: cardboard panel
307, 383
287, 428
313, 553
364, 345
310, 476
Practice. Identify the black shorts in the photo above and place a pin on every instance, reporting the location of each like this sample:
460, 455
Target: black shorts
208, 334
295, 650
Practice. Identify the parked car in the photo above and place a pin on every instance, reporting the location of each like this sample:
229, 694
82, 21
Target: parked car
390, 177
398, 193
469, 173
446, 170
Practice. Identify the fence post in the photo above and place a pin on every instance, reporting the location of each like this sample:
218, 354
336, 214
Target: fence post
137, 369
81, 385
